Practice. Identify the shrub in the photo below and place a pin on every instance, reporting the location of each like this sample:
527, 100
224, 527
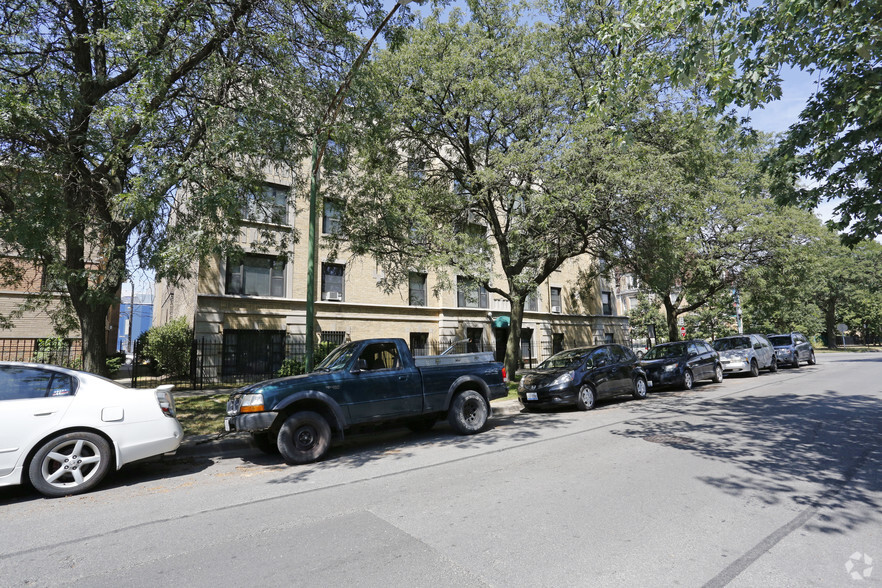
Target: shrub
56, 351
170, 346
295, 366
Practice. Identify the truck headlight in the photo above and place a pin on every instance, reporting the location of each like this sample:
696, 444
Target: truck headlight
251, 403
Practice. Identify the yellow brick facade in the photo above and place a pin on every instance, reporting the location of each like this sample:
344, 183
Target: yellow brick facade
367, 311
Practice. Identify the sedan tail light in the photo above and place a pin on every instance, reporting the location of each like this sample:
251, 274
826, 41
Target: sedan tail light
166, 400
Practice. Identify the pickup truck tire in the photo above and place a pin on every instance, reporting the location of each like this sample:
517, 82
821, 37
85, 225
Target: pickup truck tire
304, 437
468, 413
267, 442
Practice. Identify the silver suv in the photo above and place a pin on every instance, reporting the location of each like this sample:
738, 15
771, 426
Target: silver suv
746, 353
792, 348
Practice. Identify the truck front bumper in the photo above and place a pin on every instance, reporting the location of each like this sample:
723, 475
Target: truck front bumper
257, 421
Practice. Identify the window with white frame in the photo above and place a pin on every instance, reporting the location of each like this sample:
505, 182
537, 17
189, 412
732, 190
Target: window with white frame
256, 275
469, 294
606, 301
417, 295
555, 300
332, 281
332, 214
268, 205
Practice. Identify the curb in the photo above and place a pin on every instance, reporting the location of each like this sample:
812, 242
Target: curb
228, 445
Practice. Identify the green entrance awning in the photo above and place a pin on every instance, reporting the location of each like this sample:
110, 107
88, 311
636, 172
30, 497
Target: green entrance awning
502, 322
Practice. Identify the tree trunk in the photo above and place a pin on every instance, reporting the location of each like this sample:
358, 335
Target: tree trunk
671, 316
93, 327
830, 322
513, 345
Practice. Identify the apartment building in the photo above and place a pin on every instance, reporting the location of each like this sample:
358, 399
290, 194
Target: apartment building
259, 302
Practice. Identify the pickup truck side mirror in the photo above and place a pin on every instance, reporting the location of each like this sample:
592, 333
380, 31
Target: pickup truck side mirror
360, 365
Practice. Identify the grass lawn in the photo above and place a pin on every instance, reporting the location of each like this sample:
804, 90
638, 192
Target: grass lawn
202, 415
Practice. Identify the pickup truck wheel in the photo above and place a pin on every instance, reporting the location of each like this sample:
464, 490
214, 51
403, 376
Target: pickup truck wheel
267, 442
304, 437
468, 413
422, 425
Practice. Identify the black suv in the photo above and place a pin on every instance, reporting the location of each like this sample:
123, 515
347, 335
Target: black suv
792, 348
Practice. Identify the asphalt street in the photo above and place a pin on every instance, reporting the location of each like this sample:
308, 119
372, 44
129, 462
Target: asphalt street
768, 481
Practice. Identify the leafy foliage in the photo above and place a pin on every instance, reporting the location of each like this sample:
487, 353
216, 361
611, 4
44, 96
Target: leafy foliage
120, 117
836, 142
170, 345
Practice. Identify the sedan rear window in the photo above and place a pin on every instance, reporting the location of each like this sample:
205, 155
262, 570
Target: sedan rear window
25, 382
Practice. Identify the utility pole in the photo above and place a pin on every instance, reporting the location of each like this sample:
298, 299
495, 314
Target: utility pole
131, 320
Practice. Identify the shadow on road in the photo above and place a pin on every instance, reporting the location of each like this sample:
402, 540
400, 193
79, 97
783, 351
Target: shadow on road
781, 442
385, 444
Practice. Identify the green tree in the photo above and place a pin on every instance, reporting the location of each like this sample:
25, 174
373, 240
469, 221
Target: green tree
835, 144
108, 110
779, 296
477, 155
713, 320
647, 312
704, 220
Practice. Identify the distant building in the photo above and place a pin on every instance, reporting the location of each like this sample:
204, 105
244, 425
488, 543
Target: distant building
135, 314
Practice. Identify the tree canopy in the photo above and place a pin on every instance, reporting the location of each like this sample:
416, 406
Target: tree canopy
110, 110
834, 147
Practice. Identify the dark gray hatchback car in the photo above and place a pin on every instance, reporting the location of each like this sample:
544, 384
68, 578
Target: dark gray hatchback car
792, 348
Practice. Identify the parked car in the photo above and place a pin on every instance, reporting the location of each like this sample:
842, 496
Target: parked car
363, 383
792, 348
681, 364
746, 353
581, 376
64, 430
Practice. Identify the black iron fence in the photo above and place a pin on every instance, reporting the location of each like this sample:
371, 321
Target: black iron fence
219, 365
56, 351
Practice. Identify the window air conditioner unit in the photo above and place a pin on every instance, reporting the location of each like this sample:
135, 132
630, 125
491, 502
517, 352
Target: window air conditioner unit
555, 309
335, 296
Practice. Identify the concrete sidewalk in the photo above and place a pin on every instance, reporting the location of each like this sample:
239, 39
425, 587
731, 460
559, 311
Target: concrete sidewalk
227, 445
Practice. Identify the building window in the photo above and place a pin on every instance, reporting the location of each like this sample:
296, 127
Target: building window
469, 294
332, 213
608, 338
555, 300
417, 289
333, 337
416, 167
606, 300
419, 344
532, 302
269, 205
527, 347
252, 352
332, 281
476, 339
557, 343
256, 275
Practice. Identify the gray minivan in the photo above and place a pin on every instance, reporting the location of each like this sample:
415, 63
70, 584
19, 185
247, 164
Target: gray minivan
746, 353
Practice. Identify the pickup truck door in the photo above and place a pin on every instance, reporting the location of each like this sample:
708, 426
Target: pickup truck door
382, 386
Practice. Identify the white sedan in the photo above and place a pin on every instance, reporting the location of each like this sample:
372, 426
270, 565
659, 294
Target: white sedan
65, 429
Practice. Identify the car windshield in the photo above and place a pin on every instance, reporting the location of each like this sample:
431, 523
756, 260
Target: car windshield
731, 343
564, 359
666, 351
337, 359
779, 340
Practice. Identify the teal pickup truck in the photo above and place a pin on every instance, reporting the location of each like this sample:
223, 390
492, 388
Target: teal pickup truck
362, 383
